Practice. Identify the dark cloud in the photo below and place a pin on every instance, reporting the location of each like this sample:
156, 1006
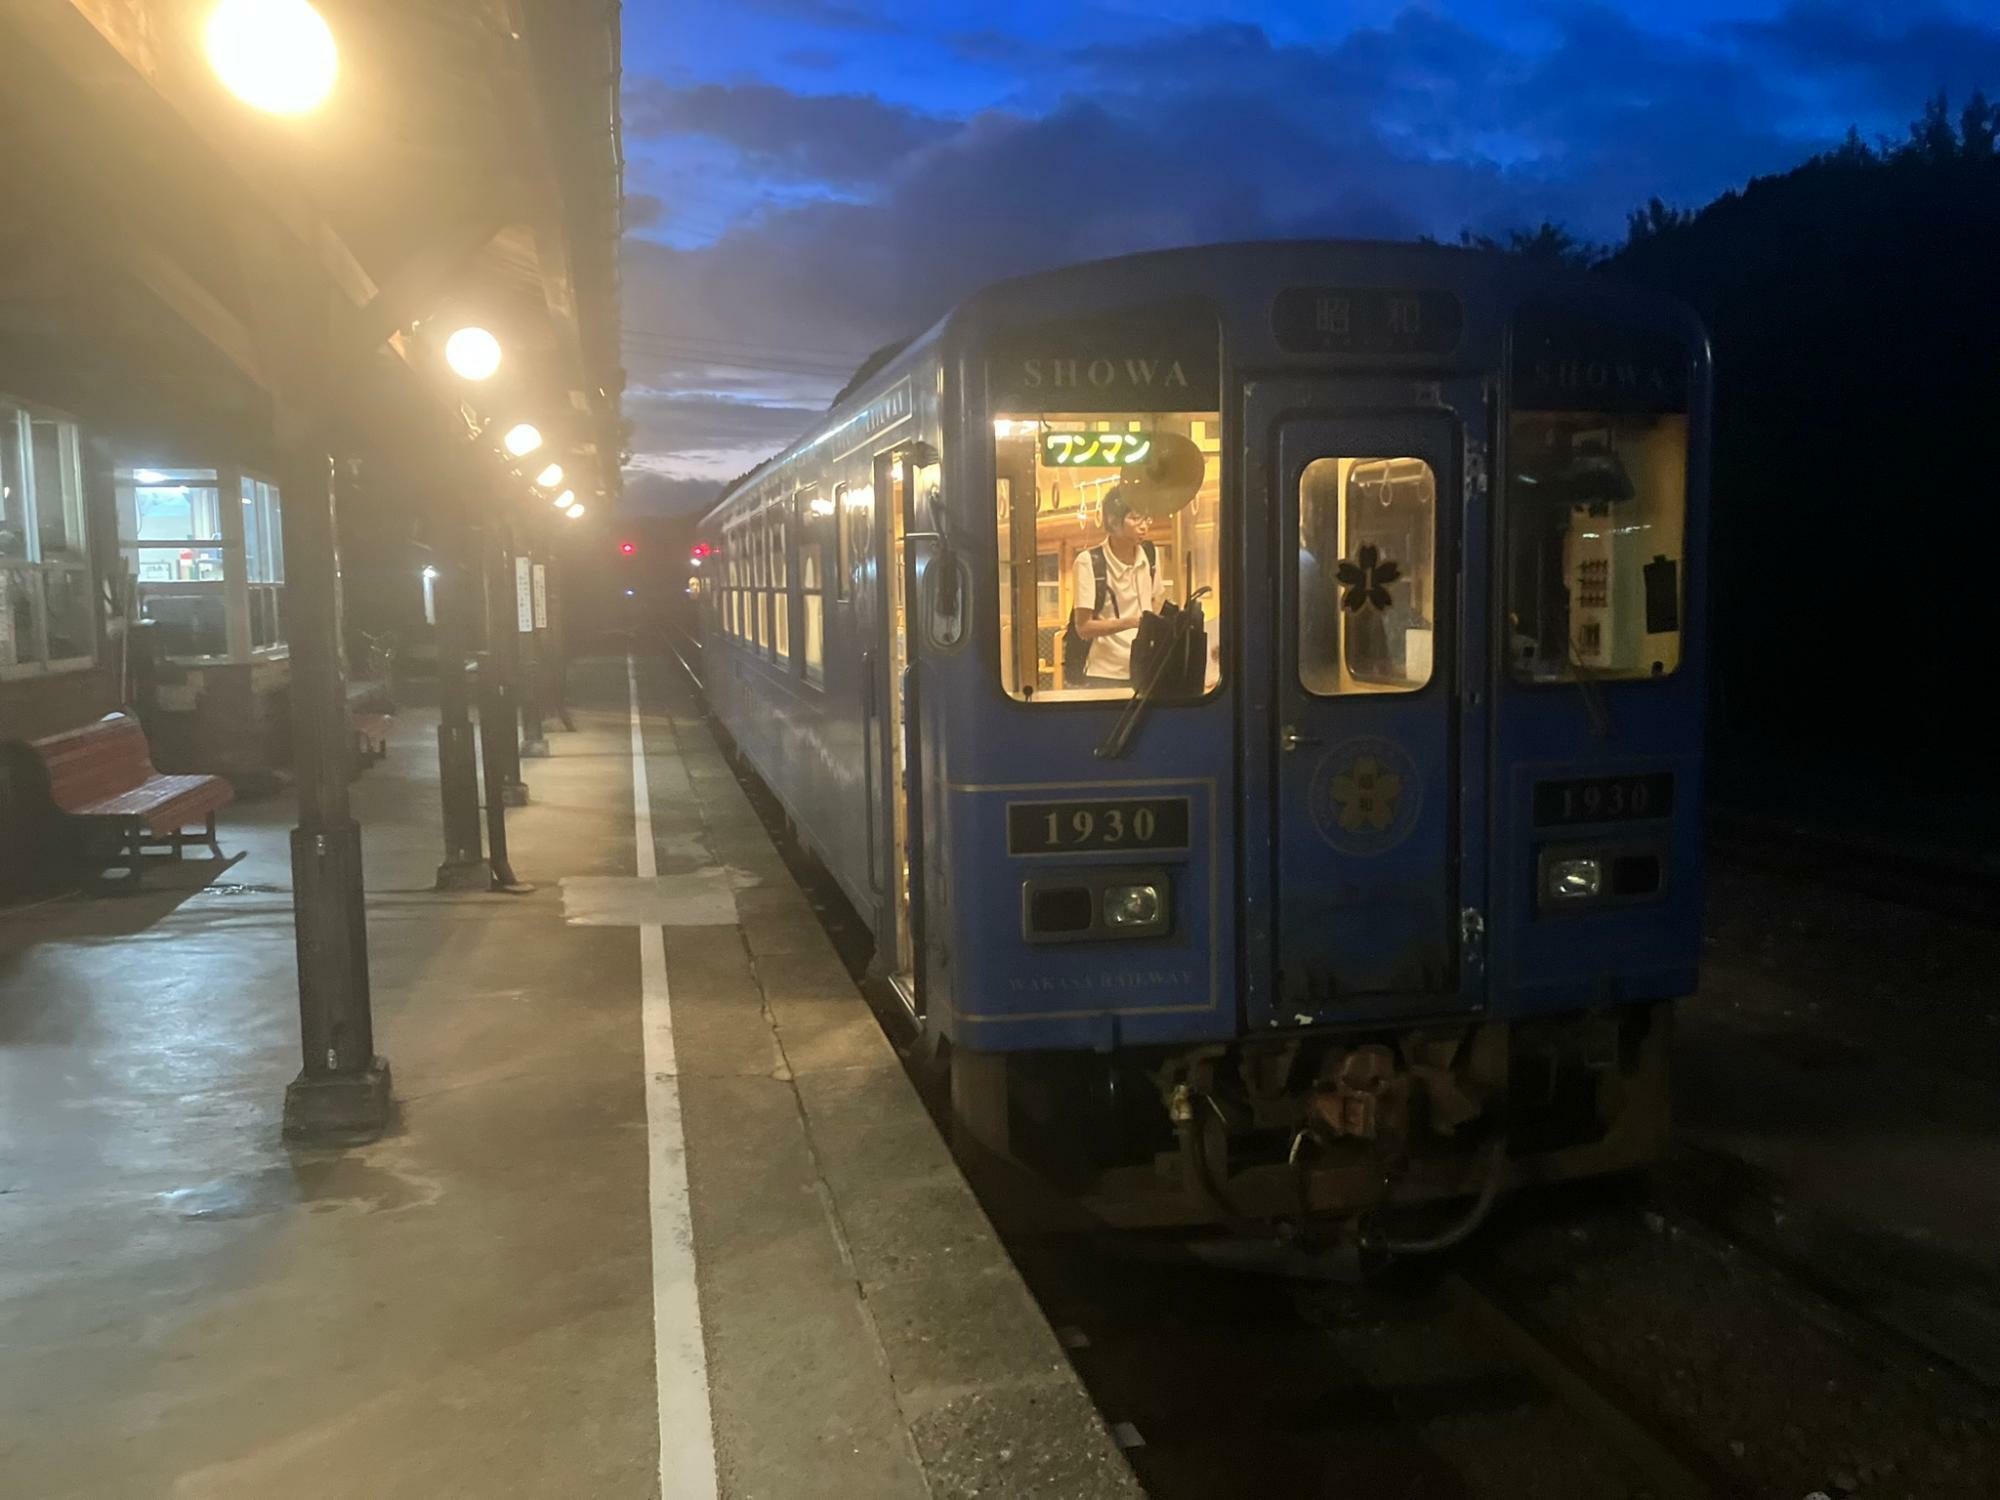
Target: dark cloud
651, 494
830, 14
832, 138
1418, 126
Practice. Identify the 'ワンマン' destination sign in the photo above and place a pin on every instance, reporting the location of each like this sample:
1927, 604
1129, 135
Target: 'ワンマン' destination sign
1095, 450
1366, 320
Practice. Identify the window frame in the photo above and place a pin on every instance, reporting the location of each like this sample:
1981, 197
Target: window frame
32, 566
811, 591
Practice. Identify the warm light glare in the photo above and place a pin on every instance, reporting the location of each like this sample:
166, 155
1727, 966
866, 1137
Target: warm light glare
522, 439
274, 55
472, 353
565, 500
550, 477
430, 574
574, 511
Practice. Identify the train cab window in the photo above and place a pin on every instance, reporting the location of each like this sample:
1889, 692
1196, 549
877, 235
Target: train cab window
1102, 517
1597, 516
1367, 575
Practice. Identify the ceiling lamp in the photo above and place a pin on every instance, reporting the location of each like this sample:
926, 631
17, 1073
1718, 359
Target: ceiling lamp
522, 439
574, 512
274, 55
550, 477
472, 353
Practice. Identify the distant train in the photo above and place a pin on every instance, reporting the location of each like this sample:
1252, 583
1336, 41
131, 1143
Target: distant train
1255, 695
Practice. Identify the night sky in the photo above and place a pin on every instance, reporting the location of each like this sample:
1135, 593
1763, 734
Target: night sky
809, 179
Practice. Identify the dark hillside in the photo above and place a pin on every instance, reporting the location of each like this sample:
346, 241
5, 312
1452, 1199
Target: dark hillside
1854, 305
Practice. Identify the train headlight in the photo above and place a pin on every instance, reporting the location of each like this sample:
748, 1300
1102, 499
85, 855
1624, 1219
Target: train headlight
1132, 906
1574, 879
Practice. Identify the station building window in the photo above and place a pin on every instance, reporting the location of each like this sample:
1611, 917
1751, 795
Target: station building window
206, 547
1597, 520
1367, 552
1054, 472
46, 612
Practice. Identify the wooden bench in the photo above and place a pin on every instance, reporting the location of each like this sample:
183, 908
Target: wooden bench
371, 736
102, 775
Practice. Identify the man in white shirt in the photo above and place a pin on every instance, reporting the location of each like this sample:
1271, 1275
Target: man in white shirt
1111, 587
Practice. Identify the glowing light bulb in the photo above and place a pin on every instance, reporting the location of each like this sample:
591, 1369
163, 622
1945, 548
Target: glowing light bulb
274, 55
472, 353
522, 439
565, 500
550, 477
574, 512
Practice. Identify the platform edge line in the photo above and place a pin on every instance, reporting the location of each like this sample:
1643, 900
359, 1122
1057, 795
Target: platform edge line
680, 1351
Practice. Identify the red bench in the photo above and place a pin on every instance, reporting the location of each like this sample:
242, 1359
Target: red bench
103, 774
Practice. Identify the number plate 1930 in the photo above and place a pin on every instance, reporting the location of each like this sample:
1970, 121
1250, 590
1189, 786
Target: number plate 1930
1072, 827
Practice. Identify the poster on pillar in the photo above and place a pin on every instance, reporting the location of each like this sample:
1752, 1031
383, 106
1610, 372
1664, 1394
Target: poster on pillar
524, 596
541, 597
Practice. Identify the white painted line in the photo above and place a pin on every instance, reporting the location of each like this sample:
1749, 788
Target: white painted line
680, 1357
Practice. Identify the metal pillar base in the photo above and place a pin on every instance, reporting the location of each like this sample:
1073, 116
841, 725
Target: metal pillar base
338, 1109
513, 794
464, 875
535, 749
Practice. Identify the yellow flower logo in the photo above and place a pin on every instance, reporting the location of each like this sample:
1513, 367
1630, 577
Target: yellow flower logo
1366, 796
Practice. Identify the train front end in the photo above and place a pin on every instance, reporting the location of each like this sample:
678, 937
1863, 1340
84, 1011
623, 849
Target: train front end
1366, 873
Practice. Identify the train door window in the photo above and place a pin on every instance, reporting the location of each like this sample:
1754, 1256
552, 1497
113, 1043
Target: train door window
781, 585
1367, 564
857, 536
732, 557
1155, 477
843, 585
1597, 518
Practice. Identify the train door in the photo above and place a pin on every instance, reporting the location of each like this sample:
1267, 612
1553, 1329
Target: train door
896, 949
1367, 774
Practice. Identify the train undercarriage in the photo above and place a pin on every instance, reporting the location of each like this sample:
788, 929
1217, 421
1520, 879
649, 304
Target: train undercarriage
1348, 1134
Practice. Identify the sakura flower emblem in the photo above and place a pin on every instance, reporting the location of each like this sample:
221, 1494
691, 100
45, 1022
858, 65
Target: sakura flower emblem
1366, 580
1366, 794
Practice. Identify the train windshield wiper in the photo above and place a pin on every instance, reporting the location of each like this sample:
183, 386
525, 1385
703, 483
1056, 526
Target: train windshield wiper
1120, 739
1593, 693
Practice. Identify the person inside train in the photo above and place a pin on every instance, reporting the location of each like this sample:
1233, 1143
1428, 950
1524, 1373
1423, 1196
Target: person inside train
1113, 585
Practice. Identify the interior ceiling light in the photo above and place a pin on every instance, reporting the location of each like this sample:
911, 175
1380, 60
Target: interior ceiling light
274, 55
566, 499
550, 477
574, 512
472, 353
522, 439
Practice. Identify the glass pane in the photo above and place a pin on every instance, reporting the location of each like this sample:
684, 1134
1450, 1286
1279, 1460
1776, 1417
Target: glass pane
274, 529
17, 617
67, 595
173, 505
13, 487
188, 624
1103, 520
1367, 575
58, 490
176, 564
1597, 511
857, 536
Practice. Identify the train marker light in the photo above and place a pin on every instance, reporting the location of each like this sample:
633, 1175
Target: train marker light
274, 55
628, 548
522, 439
1574, 879
1131, 905
472, 353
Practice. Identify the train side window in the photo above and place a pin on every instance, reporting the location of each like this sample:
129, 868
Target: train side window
1367, 575
1596, 528
1065, 482
842, 584
812, 600
781, 585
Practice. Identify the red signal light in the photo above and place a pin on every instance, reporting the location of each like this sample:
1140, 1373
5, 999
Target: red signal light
701, 549
628, 548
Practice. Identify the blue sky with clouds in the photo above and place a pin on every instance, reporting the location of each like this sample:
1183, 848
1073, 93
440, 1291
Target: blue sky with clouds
808, 179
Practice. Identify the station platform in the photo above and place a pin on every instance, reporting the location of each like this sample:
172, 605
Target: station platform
660, 1213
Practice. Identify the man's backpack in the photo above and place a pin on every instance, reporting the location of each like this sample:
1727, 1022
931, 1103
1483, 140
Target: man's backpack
1075, 649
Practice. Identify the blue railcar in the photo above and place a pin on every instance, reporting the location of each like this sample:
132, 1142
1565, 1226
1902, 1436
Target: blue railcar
1379, 885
